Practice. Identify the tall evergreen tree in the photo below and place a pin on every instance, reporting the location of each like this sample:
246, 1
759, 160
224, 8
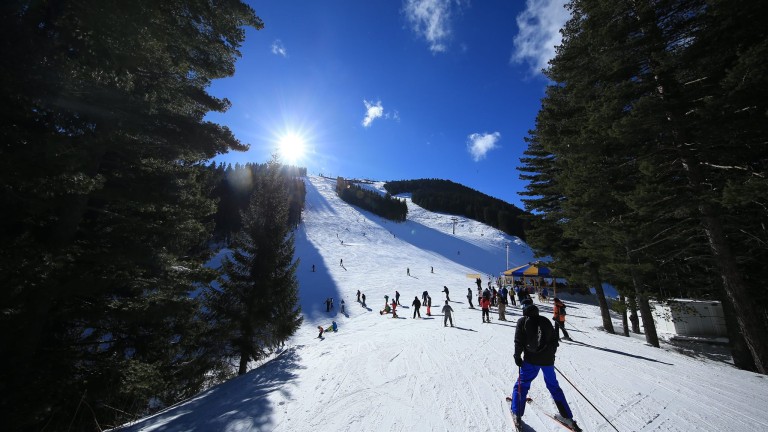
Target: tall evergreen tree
255, 309
103, 201
643, 89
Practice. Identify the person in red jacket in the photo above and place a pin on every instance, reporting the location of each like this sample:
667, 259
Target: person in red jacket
394, 306
485, 303
558, 316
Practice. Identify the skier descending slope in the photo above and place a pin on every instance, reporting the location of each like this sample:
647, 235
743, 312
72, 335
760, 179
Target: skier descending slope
535, 338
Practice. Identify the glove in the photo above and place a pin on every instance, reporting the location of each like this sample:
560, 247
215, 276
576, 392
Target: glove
518, 360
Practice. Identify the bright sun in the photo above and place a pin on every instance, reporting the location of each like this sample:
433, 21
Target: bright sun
291, 147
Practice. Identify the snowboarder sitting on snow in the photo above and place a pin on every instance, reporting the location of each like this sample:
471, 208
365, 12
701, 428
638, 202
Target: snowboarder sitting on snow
332, 327
386, 310
535, 348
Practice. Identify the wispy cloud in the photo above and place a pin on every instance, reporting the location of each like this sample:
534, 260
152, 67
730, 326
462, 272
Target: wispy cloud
372, 112
539, 25
376, 110
278, 48
431, 19
479, 145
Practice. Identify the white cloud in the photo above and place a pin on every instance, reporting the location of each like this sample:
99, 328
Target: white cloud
431, 19
539, 26
278, 48
480, 144
372, 112
376, 110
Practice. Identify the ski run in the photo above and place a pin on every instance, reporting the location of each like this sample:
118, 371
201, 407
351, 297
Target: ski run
383, 374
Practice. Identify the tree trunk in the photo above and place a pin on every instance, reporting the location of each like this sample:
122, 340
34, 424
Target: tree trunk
633, 315
604, 310
645, 308
624, 320
751, 319
742, 357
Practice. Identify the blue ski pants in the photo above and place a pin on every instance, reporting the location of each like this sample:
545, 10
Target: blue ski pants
528, 373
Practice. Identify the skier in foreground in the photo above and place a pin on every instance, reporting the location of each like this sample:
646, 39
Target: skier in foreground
536, 340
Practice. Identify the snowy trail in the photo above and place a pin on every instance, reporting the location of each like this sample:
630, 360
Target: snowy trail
383, 374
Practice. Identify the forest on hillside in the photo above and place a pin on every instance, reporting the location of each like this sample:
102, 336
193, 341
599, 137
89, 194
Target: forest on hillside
446, 196
385, 205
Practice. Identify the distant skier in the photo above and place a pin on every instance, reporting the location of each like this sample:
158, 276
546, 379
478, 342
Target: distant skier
479, 283
386, 299
320, 328
485, 304
333, 327
445, 290
535, 339
341, 262
416, 305
447, 312
428, 304
469, 298
424, 297
363, 299
358, 296
328, 304
501, 302
394, 308
342, 306
558, 316
397, 298
313, 268
432, 270
408, 271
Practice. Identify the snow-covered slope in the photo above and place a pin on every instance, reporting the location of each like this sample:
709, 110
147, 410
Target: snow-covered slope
383, 374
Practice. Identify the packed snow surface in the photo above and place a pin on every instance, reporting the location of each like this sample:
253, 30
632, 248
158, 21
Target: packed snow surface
383, 374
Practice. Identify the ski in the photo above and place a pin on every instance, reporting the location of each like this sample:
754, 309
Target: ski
557, 418
517, 425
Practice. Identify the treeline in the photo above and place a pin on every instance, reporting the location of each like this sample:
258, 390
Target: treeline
234, 186
383, 205
446, 196
108, 311
648, 165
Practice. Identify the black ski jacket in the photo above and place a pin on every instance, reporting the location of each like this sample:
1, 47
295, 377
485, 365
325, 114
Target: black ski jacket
545, 354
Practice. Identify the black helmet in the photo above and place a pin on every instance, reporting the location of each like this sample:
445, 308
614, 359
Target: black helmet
530, 310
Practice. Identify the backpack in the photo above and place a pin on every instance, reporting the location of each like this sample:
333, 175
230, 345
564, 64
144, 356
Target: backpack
536, 333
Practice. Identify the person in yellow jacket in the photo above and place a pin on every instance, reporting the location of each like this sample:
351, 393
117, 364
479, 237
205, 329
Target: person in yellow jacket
558, 317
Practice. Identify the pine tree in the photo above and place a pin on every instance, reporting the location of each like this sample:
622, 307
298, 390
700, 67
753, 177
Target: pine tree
255, 309
644, 89
104, 202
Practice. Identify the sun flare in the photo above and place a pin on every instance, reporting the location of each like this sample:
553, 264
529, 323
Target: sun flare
291, 147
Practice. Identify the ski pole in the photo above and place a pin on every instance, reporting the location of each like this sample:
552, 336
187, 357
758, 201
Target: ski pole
519, 390
585, 398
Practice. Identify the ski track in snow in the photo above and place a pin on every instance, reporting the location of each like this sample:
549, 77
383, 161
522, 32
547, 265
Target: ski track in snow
383, 374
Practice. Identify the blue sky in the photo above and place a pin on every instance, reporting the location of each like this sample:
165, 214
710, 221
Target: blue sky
394, 89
